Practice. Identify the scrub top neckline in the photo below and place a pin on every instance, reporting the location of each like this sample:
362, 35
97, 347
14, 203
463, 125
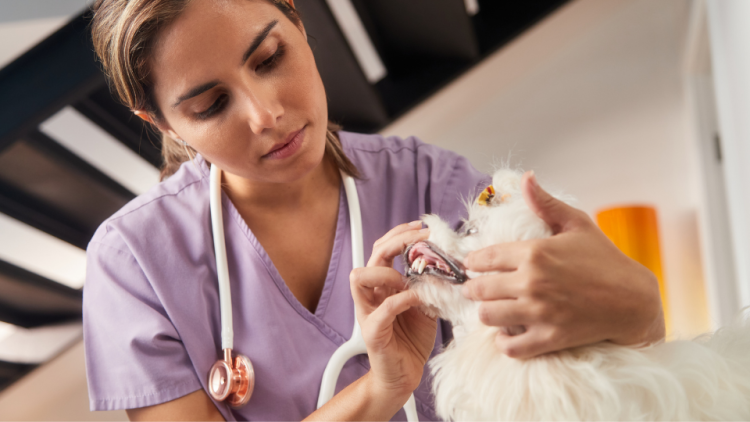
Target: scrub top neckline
338, 242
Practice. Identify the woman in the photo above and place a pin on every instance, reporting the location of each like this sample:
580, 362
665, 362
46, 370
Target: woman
234, 83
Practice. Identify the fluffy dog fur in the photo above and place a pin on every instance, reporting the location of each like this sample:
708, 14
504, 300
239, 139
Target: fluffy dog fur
705, 379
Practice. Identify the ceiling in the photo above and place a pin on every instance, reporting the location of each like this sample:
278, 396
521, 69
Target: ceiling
24, 23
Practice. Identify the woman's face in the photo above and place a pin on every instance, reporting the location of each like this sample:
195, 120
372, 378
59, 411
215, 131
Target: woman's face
236, 80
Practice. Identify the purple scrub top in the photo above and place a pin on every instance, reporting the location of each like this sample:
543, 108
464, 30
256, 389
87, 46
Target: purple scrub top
151, 301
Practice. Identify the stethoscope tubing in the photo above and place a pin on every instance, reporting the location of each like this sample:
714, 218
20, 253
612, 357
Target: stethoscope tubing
222, 267
354, 346
356, 343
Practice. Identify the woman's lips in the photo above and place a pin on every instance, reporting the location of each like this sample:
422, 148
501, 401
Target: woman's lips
289, 148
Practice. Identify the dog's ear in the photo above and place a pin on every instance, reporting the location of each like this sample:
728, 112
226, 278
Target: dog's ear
506, 185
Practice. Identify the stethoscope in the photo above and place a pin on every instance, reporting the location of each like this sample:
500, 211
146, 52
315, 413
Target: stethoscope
233, 379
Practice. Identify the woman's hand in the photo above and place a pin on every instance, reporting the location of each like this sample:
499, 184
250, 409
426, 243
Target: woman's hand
398, 336
571, 289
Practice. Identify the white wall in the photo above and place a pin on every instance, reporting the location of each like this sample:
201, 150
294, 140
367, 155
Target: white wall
592, 100
730, 47
716, 232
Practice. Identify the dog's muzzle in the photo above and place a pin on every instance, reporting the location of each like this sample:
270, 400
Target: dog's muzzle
424, 258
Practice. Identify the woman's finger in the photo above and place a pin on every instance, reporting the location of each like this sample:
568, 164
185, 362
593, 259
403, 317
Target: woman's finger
556, 213
380, 321
414, 225
368, 278
370, 286
494, 286
384, 252
500, 257
534, 342
508, 312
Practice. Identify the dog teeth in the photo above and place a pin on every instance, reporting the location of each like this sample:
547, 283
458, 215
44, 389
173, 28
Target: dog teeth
422, 265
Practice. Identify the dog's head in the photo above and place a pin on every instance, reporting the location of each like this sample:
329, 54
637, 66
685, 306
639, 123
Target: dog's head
435, 268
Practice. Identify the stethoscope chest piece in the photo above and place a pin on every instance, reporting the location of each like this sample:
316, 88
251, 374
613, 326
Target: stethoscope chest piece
232, 380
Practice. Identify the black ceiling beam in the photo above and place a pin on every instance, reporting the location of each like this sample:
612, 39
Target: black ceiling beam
423, 43
426, 44
500, 21
352, 100
21, 203
10, 372
73, 162
57, 72
35, 213
121, 123
30, 300
436, 28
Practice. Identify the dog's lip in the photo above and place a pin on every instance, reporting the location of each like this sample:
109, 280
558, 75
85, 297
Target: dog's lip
455, 266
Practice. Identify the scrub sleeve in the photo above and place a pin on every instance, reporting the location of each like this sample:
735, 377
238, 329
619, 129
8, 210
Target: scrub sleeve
151, 307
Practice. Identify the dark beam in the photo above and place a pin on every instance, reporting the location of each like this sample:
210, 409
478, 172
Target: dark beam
58, 71
122, 124
73, 162
10, 372
500, 21
352, 101
48, 187
30, 300
41, 216
427, 28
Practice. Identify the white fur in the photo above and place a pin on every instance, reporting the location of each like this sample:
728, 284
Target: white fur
705, 379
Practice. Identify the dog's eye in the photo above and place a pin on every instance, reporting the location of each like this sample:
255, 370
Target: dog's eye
470, 230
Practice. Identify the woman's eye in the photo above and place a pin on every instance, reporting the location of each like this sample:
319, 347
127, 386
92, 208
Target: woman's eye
216, 107
272, 61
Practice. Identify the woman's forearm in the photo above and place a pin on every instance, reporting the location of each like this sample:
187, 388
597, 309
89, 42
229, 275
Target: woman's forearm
360, 402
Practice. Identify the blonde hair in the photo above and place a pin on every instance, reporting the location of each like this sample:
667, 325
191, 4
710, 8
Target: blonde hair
123, 32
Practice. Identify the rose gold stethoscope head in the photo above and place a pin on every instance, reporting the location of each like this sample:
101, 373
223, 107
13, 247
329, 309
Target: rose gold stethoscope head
232, 381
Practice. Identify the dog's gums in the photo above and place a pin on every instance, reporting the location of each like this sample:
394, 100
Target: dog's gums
426, 258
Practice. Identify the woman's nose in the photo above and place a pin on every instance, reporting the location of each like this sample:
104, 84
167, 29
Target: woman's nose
263, 111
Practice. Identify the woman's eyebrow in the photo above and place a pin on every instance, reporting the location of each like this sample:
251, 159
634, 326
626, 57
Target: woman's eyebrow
198, 90
257, 40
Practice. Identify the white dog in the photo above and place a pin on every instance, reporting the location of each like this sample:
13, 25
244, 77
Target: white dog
706, 379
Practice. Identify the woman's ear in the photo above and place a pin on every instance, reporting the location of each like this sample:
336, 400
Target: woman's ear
163, 128
144, 116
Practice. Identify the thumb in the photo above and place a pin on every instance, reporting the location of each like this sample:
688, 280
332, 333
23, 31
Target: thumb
556, 213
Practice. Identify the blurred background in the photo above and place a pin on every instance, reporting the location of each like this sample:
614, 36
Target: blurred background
616, 102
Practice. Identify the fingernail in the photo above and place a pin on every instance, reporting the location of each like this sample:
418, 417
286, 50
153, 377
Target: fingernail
425, 230
466, 262
532, 179
416, 224
466, 291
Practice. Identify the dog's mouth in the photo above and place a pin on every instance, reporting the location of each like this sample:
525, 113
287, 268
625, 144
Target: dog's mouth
424, 258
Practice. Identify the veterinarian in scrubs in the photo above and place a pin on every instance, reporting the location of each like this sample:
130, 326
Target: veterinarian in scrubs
234, 83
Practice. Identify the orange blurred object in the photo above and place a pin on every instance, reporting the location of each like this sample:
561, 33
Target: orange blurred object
635, 231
